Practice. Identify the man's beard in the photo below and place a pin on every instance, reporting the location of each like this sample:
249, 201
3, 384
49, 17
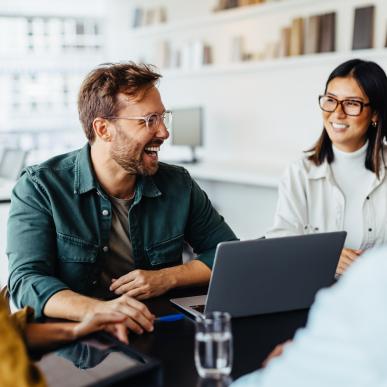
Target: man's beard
129, 157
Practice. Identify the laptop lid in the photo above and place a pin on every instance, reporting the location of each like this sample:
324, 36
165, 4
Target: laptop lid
272, 275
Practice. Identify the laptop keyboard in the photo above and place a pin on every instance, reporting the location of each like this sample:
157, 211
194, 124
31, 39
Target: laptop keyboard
199, 308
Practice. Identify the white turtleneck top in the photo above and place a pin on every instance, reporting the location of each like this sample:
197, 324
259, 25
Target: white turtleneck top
354, 181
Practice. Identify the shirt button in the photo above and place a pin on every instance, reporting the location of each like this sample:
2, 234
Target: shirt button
368, 198
370, 229
105, 249
94, 282
105, 212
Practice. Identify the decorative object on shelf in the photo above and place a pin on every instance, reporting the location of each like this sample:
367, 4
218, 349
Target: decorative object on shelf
363, 28
149, 16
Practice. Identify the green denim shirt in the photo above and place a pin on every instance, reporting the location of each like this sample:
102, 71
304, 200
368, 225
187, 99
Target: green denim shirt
60, 219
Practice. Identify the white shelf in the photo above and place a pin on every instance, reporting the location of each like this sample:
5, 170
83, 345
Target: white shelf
225, 16
279, 63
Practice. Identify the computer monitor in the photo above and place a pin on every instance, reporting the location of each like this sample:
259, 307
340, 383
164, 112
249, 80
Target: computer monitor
187, 128
12, 162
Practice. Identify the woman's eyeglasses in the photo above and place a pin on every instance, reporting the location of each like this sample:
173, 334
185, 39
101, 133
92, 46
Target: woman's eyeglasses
351, 107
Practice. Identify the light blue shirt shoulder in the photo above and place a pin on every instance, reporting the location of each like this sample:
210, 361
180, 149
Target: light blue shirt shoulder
345, 341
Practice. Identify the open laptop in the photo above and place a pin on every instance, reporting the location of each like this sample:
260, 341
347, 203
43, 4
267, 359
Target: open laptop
268, 275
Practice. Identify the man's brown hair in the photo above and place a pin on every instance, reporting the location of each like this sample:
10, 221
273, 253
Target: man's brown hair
98, 94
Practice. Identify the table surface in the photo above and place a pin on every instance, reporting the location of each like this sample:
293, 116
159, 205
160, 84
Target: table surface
172, 343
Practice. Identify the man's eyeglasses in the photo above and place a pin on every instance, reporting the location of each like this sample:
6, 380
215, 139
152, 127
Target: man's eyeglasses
351, 107
152, 121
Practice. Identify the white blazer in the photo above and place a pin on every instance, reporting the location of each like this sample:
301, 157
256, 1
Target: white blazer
310, 201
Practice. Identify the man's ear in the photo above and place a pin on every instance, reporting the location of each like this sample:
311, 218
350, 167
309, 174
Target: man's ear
101, 129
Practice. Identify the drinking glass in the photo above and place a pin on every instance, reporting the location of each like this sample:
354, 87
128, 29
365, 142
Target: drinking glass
213, 345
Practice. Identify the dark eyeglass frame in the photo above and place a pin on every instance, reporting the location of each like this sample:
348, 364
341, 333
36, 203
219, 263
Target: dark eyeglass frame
342, 103
147, 118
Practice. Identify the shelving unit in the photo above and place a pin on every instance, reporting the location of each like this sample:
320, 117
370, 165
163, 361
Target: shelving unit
257, 113
251, 80
259, 25
215, 18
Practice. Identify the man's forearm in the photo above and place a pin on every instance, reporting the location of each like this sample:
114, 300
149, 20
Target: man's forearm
191, 273
69, 305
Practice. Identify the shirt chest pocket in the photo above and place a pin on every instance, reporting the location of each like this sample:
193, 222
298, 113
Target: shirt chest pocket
73, 249
166, 253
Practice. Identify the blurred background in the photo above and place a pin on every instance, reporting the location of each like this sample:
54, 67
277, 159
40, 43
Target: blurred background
242, 77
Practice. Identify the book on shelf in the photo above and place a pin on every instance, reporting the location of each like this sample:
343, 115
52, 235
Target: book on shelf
207, 54
363, 28
327, 32
138, 17
296, 45
237, 48
161, 15
312, 29
284, 46
150, 16
271, 51
243, 3
163, 54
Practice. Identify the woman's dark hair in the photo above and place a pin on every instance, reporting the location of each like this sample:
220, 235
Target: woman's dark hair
372, 79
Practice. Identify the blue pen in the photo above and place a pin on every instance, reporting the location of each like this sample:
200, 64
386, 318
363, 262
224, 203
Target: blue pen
171, 317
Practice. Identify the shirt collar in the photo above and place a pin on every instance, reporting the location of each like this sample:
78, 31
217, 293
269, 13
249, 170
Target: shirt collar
319, 171
84, 176
146, 186
85, 180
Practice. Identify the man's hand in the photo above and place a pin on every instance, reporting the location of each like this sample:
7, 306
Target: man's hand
277, 351
138, 316
114, 323
347, 257
51, 334
142, 284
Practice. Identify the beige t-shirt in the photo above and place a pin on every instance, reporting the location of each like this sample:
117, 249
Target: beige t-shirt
119, 259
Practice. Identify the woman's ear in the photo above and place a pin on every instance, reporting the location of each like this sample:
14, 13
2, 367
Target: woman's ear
101, 130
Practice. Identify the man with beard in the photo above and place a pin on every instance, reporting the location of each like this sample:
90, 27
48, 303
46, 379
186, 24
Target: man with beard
97, 229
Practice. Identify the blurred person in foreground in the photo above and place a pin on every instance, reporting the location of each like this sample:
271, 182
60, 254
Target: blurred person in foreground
19, 335
344, 343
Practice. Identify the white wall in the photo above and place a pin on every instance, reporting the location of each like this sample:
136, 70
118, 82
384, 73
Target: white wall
254, 111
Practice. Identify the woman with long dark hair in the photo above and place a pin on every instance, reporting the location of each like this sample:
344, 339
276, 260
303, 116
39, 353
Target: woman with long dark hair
341, 183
